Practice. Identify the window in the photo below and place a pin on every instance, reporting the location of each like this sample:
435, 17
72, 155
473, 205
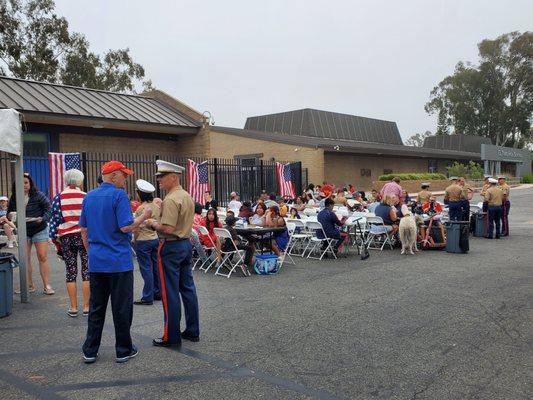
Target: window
36, 144
387, 171
432, 166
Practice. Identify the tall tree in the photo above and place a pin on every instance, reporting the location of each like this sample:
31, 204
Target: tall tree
493, 99
35, 43
417, 139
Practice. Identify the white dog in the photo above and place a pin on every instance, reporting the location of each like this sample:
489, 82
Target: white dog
408, 232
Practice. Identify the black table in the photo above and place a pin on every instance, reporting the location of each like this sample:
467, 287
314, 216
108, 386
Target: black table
262, 232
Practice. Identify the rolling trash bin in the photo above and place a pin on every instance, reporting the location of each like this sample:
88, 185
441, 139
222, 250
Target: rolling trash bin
457, 233
481, 219
7, 263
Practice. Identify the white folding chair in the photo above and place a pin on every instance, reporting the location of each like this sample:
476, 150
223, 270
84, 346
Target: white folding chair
231, 259
291, 227
213, 250
316, 242
207, 251
377, 230
299, 240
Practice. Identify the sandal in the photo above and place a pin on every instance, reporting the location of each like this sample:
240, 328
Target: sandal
48, 290
72, 313
31, 289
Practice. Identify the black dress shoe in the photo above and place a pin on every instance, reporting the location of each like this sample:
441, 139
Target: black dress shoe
157, 298
143, 303
159, 342
187, 336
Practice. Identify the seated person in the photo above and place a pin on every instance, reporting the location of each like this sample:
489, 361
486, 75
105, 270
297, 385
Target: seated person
294, 214
246, 210
211, 222
195, 239
230, 213
310, 200
330, 222
271, 202
387, 211
234, 204
209, 202
280, 239
374, 197
5, 223
248, 249
299, 205
283, 208
406, 197
340, 199
432, 206
258, 219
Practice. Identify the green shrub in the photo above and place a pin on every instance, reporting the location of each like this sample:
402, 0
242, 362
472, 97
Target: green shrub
471, 171
413, 177
527, 179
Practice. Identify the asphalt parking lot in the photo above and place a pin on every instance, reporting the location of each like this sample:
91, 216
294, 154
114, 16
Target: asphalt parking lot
429, 326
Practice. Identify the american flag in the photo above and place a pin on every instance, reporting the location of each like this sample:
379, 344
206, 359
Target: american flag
283, 173
197, 180
59, 163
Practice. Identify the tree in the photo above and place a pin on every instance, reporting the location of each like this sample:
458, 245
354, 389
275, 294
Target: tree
493, 99
36, 44
417, 139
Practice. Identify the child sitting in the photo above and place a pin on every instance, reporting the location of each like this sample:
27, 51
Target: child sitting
228, 245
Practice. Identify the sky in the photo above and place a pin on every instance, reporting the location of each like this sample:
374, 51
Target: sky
235, 59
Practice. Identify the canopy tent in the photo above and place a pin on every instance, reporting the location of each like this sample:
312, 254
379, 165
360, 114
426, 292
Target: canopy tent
11, 142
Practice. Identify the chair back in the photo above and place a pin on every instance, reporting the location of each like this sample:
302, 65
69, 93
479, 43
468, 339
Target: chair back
374, 221
291, 227
203, 230
222, 233
296, 222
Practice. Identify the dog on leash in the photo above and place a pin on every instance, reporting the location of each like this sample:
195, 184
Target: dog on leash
408, 231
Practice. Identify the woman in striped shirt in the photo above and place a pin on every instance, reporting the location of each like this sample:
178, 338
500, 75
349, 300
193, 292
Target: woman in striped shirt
66, 234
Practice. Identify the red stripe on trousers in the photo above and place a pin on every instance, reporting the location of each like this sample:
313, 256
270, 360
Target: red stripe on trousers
163, 285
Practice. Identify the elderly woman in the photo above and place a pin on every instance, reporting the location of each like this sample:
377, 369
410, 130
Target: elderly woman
65, 232
38, 215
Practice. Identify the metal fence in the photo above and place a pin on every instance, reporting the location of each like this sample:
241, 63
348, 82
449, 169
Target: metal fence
244, 176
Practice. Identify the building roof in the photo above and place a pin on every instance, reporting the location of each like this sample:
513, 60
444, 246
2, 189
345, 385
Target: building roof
349, 146
456, 142
325, 124
31, 97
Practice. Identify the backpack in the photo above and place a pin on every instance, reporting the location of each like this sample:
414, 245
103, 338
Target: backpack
266, 264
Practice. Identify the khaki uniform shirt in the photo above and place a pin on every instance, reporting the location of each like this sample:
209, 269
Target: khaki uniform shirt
494, 196
144, 233
177, 210
467, 192
484, 190
454, 192
506, 189
423, 196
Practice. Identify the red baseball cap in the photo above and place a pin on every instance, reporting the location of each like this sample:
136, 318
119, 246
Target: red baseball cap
112, 166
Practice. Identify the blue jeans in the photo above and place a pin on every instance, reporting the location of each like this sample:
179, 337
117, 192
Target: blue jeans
147, 257
177, 284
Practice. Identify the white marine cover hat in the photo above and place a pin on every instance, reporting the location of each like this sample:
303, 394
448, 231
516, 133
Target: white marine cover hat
165, 167
144, 186
492, 180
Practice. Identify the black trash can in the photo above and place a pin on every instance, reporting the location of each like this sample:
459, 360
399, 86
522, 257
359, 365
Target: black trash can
457, 233
480, 226
7, 263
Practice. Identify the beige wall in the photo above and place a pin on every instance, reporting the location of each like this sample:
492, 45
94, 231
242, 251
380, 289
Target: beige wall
343, 169
181, 146
227, 146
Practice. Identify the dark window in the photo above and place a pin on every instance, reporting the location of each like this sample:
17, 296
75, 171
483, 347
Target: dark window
36, 144
387, 171
432, 166
366, 172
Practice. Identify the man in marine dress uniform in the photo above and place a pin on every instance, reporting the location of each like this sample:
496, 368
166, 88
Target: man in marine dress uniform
505, 188
494, 197
483, 193
467, 195
175, 253
453, 196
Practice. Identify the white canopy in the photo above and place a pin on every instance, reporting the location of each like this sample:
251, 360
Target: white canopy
10, 131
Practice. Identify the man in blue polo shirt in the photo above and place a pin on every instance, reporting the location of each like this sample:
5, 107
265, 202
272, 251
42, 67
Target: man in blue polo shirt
107, 223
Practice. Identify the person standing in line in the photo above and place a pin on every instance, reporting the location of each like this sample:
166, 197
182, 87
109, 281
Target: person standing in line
106, 226
506, 190
494, 197
38, 212
146, 244
424, 194
175, 258
65, 232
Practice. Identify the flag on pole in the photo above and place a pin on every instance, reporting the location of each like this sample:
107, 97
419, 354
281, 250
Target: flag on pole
286, 186
59, 163
197, 180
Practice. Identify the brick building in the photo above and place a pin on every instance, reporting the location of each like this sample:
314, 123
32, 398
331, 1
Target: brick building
331, 147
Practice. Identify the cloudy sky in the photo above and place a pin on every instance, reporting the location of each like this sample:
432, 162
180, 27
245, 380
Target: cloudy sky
239, 58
